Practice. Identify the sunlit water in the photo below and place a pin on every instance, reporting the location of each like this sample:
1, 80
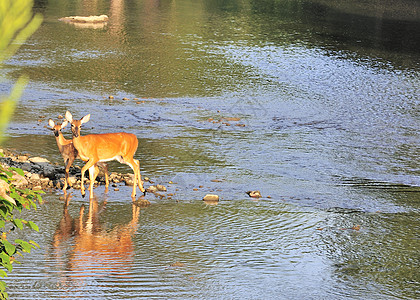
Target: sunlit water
326, 108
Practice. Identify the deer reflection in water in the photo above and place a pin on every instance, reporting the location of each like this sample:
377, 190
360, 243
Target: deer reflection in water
84, 249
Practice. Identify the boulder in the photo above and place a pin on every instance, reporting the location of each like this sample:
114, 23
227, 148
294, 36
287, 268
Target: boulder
49, 171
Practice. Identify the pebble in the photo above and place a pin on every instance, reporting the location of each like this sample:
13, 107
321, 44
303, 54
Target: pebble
254, 194
151, 189
35, 176
72, 180
161, 188
23, 157
216, 180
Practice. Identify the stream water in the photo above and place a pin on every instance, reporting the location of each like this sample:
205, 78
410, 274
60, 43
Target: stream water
314, 103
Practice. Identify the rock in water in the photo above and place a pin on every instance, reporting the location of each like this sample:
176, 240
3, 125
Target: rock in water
161, 188
211, 198
151, 189
254, 194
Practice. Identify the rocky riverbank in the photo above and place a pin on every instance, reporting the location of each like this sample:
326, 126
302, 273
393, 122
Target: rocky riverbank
41, 174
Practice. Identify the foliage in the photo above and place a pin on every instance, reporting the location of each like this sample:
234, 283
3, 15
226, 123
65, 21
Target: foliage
17, 23
17, 200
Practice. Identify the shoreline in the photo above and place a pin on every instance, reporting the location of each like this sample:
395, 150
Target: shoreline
41, 174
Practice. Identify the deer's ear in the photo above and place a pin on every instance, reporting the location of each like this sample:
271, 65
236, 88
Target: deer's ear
85, 119
64, 124
69, 117
51, 123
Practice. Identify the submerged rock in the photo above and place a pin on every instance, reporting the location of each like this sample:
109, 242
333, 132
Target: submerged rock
211, 198
177, 264
142, 202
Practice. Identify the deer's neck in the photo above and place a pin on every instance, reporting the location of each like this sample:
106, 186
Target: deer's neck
61, 141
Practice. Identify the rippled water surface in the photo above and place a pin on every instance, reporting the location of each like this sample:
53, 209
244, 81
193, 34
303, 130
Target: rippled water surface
314, 103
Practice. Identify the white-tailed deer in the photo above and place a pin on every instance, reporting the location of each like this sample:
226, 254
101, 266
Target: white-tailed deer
103, 147
69, 153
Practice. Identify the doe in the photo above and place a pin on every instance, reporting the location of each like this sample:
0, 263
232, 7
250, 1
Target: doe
69, 153
94, 148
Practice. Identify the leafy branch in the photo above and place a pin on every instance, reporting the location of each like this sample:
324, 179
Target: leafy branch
17, 23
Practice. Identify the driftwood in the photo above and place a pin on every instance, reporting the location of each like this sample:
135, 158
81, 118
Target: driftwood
90, 19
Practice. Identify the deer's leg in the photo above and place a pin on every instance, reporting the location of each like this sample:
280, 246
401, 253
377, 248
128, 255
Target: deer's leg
66, 173
106, 175
104, 166
67, 164
93, 172
89, 164
70, 161
133, 165
140, 182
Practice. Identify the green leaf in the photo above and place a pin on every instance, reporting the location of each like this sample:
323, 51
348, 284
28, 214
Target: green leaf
3, 209
2, 286
10, 249
34, 243
2, 223
33, 226
3, 273
17, 170
8, 173
18, 223
25, 245
5, 259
